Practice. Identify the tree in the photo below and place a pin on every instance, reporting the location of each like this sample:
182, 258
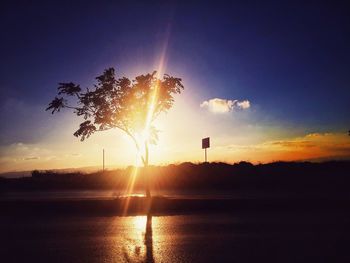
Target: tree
128, 105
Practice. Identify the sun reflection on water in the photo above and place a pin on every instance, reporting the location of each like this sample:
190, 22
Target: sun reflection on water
138, 243
139, 222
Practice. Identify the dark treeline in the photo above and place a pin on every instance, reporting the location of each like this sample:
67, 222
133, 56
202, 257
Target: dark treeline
278, 177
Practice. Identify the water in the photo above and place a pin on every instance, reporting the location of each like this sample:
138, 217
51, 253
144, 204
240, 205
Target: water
110, 194
251, 237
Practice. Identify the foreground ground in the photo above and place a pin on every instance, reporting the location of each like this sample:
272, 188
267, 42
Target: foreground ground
177, 230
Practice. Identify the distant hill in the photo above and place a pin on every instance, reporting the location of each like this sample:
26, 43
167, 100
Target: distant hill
15, 174
88, 169
326, 178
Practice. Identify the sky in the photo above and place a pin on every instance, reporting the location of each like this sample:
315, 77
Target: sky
265, 81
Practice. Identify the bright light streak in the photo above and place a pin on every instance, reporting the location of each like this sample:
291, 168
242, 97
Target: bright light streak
154, 97
130, 189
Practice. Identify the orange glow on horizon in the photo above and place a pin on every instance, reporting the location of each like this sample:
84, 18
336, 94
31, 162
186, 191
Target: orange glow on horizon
176, 145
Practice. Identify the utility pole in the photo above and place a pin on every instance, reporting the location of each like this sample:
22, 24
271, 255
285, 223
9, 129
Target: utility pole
103, 160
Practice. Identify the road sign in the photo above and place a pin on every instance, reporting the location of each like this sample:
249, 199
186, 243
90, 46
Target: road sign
205, 143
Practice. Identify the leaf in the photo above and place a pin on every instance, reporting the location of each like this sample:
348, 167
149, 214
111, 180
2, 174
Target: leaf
85, 130
56, 105
68, 88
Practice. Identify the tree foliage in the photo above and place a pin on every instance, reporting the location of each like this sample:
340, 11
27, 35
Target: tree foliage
129, 105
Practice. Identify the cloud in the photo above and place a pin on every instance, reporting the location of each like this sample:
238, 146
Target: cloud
245, 104
31, 158
217, 105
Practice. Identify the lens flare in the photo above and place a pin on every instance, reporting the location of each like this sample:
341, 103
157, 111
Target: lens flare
130, 189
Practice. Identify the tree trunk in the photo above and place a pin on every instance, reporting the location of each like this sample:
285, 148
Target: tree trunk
147, 175
148, 191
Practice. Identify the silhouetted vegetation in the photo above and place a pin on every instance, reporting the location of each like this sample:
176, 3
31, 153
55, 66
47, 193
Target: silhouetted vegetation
243, 177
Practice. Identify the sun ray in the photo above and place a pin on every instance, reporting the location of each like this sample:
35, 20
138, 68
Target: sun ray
130, 189
144, 136
154, 97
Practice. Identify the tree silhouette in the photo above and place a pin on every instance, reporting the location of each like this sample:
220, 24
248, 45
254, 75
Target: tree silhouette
128, 105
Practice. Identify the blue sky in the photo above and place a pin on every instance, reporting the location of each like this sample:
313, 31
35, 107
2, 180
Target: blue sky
291, 60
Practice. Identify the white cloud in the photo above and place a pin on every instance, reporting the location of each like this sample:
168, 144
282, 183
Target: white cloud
245, 104
223, 105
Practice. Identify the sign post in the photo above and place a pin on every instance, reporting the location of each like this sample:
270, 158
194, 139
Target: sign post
205, 145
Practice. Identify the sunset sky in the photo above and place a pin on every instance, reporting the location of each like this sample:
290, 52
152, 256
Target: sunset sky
266, 82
